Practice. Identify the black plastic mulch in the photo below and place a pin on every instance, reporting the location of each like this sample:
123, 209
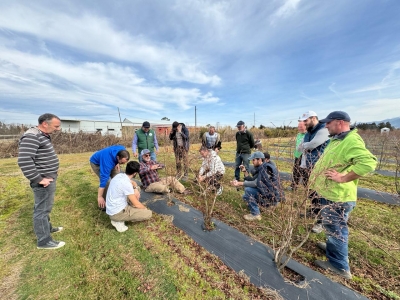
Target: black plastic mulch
243, 254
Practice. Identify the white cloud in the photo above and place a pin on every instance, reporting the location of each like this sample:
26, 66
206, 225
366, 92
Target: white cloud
288, 8
94, 34
30, 76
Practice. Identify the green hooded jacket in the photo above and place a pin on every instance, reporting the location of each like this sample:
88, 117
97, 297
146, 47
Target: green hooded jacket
344, 153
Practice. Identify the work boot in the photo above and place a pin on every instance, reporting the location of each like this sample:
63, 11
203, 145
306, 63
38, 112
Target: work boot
251, 217
326, 265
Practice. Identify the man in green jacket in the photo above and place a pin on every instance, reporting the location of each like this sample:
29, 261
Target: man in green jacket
335, 178
244, 144
145, 138
298, 172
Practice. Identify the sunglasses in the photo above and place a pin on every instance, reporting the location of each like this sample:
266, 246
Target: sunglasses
146, 155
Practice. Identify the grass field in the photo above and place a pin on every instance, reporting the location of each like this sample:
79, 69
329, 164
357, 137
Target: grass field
155, 260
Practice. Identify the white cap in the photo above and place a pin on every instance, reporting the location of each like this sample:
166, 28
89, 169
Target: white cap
308, 114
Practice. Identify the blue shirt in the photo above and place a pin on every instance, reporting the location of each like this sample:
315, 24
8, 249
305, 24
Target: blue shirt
107, 160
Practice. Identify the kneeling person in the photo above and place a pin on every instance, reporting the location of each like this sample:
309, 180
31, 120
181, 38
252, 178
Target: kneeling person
123, 199
212, 169
152, 183
264, 190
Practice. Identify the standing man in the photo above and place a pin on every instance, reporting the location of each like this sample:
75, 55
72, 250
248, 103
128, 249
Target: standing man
313, 145
212, 169
145, 138
180, 137
264, 190
335, 178
39, 164
244, 143
123, 199
314, 142
212, 140
105, 164
297, 172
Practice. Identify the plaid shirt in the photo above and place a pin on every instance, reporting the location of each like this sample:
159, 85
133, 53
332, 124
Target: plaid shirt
147, 175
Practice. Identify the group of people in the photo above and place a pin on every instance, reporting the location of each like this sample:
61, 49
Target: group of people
329, 159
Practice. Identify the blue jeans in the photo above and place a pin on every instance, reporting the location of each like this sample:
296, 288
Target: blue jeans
44, 200
152, 156
241, 158
334, 217
251, 196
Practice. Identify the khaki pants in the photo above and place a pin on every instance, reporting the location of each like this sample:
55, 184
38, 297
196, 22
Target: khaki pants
96, 170
133, 214
163, 185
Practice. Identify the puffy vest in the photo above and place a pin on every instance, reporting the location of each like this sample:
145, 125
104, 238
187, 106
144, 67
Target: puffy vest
145, 141
313, 155
268, 183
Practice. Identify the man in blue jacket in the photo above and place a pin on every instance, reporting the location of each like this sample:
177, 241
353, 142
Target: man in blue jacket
105, 164
265, 190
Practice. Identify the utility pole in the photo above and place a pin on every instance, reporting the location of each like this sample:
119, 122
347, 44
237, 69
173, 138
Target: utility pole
120, 121
254, 120
195, 117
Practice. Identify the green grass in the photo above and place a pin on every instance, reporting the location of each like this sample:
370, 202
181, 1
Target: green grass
155, 260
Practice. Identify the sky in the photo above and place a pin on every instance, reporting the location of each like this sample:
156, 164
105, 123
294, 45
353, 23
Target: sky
261, 61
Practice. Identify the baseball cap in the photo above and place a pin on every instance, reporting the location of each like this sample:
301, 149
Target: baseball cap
336, 115
144, 151
308, 114
240, 123
146, 124
257, 154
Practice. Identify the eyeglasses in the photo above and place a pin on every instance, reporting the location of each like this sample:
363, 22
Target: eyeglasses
145, 155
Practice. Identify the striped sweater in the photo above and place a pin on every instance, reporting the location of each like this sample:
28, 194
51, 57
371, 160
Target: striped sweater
36, 156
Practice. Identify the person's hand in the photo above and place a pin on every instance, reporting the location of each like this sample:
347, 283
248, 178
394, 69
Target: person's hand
157, 151
46, 182
118, 168
234, 182
201, 178
101, 202
155, 167
135, 155
334, 175
242, 168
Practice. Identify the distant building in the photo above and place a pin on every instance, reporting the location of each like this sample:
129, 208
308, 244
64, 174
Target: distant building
91, 126
385, 130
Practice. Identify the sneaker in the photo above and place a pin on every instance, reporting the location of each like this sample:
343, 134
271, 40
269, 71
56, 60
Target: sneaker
317, 228
322, 246
56, 229
251, 217
120, 226
326, 265
219, 191
52, 245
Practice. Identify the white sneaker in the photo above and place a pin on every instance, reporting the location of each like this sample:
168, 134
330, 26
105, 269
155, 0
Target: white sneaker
120, 226
317, 228
251, 217
219, 191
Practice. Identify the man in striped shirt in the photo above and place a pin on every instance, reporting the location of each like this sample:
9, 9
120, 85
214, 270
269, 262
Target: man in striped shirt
39, 164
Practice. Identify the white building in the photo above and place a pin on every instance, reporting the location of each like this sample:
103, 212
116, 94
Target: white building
90, 126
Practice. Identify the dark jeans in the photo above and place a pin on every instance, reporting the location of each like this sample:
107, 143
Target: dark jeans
181, 156
334, 217
241, 158
44, 200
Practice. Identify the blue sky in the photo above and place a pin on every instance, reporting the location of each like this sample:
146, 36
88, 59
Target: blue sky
267, 61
